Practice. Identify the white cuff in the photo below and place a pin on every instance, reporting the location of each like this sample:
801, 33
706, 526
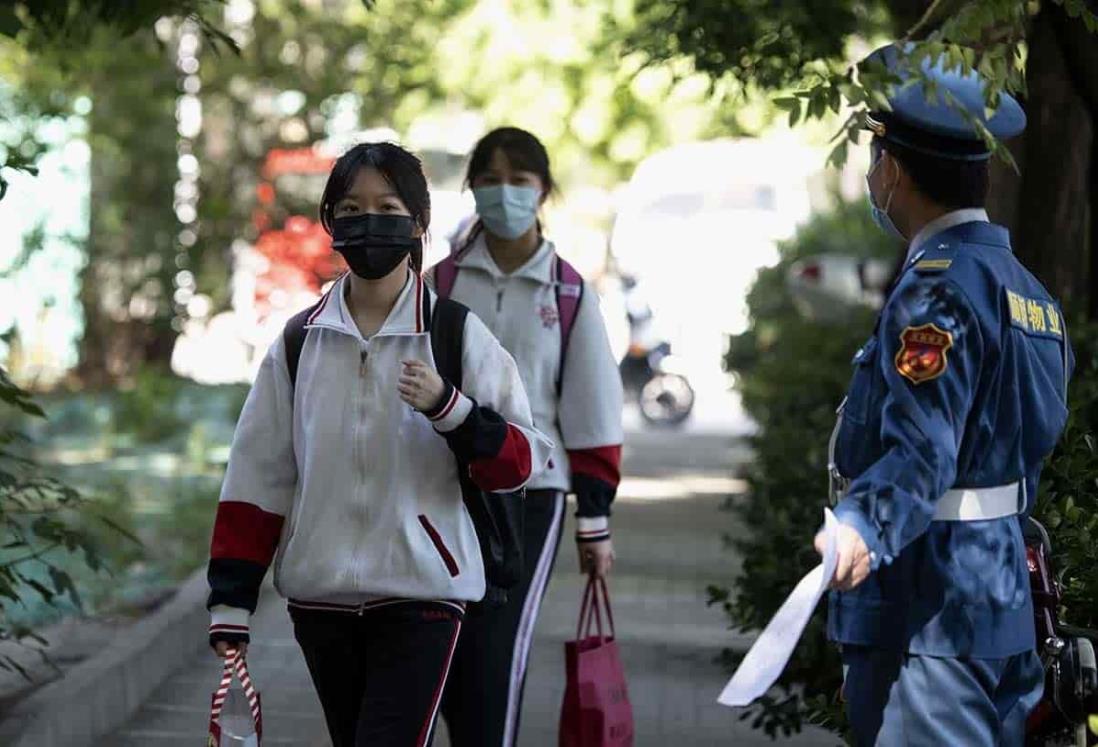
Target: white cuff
454, 413
229, 620
592, 528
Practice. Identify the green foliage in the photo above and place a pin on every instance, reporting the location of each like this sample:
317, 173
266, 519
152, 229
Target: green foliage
799, 51
149, 408
792, 374
770, 45
40, 525
1068, 500
52, 25
58, 35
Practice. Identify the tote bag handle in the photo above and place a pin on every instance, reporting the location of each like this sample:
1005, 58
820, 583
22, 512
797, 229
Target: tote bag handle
591, 610
235, 664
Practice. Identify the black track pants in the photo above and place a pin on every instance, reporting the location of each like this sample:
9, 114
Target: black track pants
483, 697
379, 674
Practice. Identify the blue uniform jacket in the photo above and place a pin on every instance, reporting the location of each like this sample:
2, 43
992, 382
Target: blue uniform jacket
962, 385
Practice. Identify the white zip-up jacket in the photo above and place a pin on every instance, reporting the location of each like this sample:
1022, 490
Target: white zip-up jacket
353, 493
584, 419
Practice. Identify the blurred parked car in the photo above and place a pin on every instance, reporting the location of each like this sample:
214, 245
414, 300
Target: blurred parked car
826, 286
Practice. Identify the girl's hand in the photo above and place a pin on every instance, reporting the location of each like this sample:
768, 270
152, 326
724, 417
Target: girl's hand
596, 558
225, 649
420, 386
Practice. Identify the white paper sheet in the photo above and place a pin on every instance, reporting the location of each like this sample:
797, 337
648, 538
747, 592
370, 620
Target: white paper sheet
767, 658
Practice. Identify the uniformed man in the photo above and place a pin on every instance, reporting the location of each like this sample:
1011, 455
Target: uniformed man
956, 400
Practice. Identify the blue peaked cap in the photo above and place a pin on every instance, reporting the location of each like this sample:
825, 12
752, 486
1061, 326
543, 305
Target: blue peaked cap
935, 127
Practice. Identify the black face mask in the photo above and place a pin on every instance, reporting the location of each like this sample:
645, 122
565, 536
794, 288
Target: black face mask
374, 244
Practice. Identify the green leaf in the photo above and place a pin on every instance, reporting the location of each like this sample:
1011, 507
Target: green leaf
817, 106
63, 583
838, 155
47, 594
787, 103
112, 524
879, 100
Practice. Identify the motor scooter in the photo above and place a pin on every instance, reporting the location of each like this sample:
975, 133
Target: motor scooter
652, 378
1067, 714
655, 380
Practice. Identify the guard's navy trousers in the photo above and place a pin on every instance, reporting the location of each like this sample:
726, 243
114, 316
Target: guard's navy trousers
962, 386
907, 700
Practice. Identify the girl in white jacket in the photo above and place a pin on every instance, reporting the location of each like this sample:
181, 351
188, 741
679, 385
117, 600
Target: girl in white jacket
548, 318
343, 470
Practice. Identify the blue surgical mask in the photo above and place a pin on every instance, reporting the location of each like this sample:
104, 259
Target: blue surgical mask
880, 215
506, 210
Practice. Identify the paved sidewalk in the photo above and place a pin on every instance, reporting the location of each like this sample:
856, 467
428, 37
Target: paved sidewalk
667, 527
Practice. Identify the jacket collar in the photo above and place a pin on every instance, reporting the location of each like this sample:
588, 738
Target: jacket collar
965, 226
406, 318
977, 233
540, 268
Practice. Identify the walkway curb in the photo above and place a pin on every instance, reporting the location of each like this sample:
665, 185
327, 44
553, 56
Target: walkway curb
97, 697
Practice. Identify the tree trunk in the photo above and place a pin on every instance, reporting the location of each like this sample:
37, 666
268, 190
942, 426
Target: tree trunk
1052, 221
1080, 48
127, 284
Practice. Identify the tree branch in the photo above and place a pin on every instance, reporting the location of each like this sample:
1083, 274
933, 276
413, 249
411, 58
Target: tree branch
33, 556
925, 21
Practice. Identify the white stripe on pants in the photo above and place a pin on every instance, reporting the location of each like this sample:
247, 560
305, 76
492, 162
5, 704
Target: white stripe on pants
530, 609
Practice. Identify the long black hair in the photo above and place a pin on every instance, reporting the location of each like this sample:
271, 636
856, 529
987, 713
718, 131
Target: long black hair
401, 168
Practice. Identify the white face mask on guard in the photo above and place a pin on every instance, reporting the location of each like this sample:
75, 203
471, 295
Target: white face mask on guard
880, 215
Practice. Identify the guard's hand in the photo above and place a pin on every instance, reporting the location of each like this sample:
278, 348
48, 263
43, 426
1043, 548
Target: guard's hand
596, 558
420, 386
224, 649
853, 565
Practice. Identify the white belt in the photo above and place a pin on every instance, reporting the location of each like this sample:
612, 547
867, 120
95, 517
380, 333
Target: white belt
981, 504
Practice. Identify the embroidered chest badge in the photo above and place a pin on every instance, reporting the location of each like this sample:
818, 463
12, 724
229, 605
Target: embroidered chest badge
922, 355
549, 316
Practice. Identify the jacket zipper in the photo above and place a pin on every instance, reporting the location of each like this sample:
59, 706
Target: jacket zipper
362, 358
359, 449
499, 301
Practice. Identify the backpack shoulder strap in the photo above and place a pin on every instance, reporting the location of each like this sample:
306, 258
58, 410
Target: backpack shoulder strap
293, 338
446, 273
569, 290
448, 338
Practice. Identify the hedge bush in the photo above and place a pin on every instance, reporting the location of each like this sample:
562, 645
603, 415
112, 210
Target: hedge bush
793, 373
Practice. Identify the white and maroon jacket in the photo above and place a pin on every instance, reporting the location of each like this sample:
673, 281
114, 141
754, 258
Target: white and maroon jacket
585, 419
352, 493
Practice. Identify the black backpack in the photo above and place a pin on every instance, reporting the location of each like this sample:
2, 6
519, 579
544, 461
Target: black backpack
497, 517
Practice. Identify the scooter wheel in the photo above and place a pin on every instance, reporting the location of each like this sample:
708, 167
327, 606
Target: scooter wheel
666, 400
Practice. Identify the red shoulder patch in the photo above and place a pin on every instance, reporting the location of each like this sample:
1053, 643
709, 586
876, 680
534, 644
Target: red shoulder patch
922, 355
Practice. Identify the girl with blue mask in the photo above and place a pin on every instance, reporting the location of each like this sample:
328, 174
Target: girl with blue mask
510, 179
544, 314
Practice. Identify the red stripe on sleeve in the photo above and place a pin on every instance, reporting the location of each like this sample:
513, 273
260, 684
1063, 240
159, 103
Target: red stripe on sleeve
244, 531
602, 462
508, 469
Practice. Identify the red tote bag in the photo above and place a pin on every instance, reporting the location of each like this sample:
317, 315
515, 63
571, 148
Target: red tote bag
596, 711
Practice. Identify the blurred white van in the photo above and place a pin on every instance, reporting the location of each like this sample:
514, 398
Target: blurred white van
695, 224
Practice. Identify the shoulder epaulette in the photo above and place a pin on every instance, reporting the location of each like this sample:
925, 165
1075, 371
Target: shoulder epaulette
933, 265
